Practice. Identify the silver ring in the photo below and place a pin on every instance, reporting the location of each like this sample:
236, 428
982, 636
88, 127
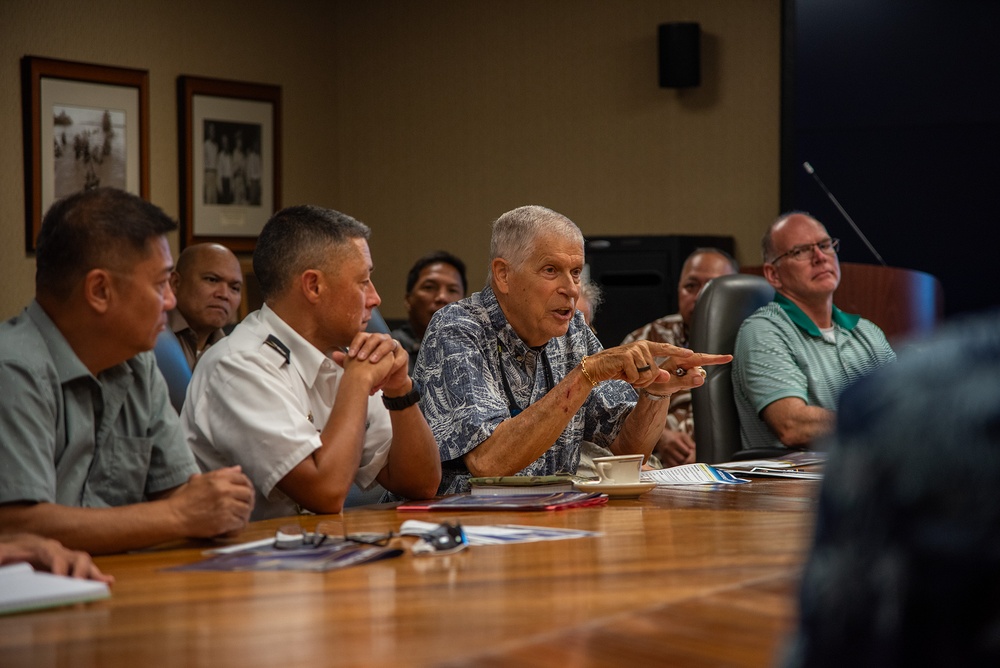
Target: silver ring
680, 372
643, 369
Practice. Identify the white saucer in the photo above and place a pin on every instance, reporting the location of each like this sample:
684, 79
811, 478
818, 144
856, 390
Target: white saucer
616, 490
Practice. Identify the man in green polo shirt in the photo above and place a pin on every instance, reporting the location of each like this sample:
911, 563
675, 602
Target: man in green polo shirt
795, 355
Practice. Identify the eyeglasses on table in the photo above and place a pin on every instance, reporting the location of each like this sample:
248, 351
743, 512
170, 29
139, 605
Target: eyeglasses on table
445, 539
295, 537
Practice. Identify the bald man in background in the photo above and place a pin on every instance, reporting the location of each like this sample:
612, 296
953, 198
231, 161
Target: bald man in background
208, 283
676, 444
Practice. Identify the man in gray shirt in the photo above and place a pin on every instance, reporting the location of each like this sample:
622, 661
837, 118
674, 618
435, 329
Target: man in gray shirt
91, 452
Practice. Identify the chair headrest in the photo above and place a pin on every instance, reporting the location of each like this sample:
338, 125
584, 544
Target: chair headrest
723, 305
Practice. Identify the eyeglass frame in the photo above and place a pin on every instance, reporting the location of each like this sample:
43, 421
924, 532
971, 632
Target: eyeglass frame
314, 539
798, 253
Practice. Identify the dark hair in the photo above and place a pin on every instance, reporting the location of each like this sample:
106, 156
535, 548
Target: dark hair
718, 251
104, 227
905, 560
431, 258
298, 238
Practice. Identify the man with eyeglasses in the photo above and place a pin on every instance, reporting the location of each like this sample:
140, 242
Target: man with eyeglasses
795, 355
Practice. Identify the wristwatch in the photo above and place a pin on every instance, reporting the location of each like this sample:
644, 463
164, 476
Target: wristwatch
405, 401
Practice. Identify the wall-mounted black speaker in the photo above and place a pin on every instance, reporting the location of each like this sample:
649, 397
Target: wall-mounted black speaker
680, 55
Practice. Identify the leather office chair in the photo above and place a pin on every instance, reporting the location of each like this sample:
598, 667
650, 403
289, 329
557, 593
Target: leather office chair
725, 302
173, 365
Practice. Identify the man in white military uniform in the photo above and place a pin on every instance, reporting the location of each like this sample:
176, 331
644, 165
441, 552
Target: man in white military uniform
299, 394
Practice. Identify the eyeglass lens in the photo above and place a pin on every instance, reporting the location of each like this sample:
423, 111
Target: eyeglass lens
292, 537
332, 529
827, 246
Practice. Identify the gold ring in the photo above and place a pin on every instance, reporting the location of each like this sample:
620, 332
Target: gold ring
702, 372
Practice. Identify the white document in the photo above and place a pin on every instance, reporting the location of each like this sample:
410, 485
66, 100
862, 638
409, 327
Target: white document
690, 474
23, 588
498, 534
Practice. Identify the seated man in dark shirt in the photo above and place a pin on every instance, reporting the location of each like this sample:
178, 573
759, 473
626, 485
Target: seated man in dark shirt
676, 445
435, 280
208, 282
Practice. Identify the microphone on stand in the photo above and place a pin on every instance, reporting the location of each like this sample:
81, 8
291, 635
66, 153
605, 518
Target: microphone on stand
812, 172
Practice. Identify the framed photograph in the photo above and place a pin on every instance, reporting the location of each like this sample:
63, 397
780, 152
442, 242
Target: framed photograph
230, 160
85, 126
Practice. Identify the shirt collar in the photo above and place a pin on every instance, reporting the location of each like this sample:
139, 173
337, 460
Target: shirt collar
304, 356
178, 324
846, 320
506, 334
68, 365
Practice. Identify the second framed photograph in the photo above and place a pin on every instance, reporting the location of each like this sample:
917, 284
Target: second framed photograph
230, 159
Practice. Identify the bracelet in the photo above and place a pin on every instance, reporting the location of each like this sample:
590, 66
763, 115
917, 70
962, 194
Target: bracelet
655, 397
583, 367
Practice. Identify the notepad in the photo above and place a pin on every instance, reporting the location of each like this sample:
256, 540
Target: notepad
23, 588
514, 485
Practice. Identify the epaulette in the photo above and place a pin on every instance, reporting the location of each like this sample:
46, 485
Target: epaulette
275, 343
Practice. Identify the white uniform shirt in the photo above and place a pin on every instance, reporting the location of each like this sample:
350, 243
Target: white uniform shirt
249, 405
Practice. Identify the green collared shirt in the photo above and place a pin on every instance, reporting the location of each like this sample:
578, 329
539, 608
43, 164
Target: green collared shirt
780, 353
847, 321
71, 438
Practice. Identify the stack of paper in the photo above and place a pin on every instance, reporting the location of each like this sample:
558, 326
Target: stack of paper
789, 461
786, 466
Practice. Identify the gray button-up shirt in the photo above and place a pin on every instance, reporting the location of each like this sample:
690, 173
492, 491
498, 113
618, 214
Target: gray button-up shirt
67, 437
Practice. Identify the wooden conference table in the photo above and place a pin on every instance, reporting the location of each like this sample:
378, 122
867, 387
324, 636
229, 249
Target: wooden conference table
680, 577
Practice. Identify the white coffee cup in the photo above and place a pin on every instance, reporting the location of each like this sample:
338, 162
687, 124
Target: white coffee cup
619, 469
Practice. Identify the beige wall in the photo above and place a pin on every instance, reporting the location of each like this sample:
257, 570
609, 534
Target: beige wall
428, 119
